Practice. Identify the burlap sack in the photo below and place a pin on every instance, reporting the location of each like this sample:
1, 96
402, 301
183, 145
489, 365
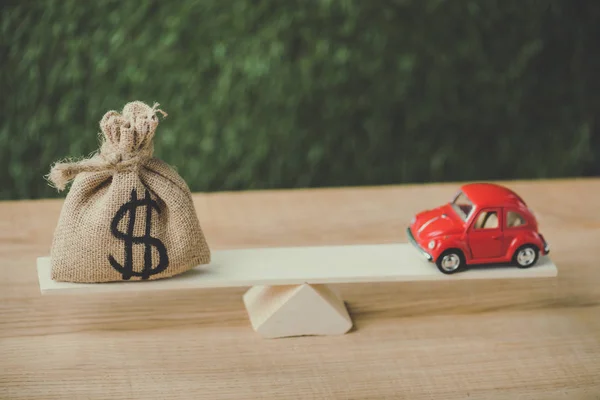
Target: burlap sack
128, 215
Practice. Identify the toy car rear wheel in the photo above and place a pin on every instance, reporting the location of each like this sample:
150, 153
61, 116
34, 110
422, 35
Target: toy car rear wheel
526, 256
450, 262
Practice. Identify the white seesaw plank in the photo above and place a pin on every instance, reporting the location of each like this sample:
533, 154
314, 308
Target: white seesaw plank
301, 265
290, 295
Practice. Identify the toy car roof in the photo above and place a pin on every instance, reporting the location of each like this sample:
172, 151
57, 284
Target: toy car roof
491, 195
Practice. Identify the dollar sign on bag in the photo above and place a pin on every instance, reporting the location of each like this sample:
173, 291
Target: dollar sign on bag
129, 209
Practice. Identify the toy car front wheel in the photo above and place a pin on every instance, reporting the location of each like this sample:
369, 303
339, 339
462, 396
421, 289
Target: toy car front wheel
526, 256
450, 261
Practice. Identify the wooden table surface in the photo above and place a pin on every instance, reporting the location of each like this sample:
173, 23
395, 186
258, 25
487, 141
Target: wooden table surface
496, 339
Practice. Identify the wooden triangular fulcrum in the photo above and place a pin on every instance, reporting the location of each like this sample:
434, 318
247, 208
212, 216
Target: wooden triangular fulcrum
296, 310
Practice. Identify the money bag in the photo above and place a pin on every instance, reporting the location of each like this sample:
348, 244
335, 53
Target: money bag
128, 216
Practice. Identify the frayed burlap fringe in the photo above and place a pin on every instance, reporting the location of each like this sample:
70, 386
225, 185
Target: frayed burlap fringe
113, 154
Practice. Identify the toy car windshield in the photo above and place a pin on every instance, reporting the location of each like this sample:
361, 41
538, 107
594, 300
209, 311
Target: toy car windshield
462, 205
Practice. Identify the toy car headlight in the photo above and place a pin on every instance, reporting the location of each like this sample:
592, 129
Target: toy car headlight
431, 244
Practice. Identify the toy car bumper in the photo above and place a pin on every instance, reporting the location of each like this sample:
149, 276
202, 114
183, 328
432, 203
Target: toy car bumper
412, 240
546, 246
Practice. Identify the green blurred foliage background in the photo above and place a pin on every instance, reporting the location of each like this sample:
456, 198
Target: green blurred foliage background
286, 93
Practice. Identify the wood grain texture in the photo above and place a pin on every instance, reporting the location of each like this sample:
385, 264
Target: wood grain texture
499, 339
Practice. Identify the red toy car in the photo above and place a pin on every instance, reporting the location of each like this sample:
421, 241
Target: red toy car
485, 223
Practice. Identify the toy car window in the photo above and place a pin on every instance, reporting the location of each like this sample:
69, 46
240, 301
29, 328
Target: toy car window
514, 219
462, 205
487, 220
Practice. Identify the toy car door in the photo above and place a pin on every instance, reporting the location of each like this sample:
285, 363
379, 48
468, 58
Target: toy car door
486, 235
